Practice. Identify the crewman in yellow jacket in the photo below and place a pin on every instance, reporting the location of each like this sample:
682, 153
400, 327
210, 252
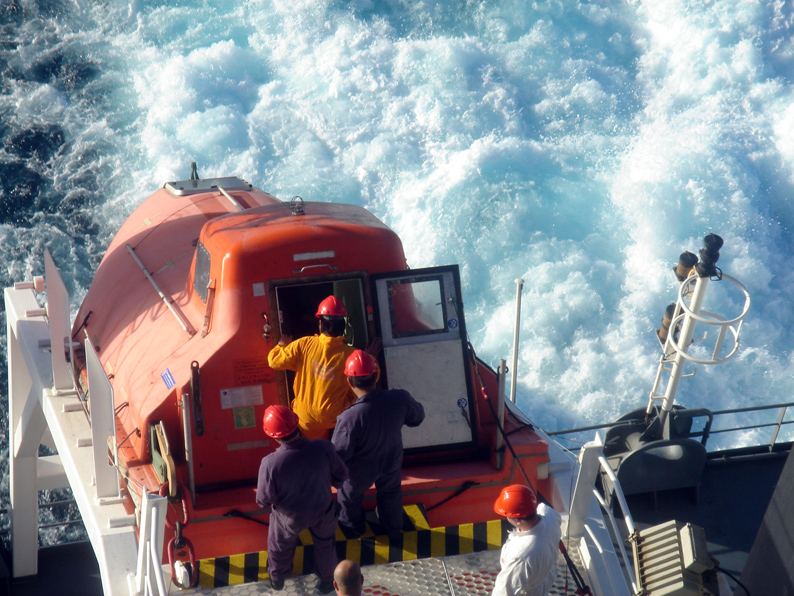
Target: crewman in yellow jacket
321, 388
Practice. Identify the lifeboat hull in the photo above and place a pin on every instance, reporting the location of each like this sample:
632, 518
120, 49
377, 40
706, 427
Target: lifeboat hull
194, 291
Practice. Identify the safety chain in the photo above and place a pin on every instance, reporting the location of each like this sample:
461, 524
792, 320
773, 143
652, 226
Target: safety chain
179, 545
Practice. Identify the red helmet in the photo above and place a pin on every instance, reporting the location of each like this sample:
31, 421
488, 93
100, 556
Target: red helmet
331, 307
360, 364
516, 500
279, 421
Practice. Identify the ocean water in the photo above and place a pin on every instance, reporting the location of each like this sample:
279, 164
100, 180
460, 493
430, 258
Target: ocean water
579, 145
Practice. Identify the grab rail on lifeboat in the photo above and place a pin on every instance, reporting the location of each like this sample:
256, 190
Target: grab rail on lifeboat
231, 199
169, 303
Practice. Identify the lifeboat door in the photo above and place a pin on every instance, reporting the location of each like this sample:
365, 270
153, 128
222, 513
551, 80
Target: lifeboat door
419, 318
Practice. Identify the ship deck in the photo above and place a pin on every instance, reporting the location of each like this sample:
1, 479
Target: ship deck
730, 505
71, 570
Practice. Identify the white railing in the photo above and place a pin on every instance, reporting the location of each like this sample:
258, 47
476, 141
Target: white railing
45, 406
716, 428
149, 573
591, 461
618, 493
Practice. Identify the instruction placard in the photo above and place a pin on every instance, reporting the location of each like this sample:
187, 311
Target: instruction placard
253, 371
239, 397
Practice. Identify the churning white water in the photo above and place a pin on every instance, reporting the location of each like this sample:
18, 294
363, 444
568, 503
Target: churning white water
578, 145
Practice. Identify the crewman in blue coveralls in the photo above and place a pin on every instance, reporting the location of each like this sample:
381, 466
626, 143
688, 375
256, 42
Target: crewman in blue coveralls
295, 482
368, 438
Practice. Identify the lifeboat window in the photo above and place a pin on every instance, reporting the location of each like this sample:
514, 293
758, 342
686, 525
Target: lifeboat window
201, 274
417, 306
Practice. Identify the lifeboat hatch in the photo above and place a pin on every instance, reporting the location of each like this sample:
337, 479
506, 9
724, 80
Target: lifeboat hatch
297, 305
419, 318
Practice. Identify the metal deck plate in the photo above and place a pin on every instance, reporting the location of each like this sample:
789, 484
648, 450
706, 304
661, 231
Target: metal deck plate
459, 575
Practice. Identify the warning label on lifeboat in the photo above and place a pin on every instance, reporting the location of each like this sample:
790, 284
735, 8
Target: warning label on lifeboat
253, 371
244, 417
239, 397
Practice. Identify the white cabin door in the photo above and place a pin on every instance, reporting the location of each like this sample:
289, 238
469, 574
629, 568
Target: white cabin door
419, 317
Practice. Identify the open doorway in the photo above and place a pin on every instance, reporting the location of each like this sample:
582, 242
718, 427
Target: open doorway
297, 305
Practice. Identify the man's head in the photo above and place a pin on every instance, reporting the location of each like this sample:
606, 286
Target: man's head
280, 423
519, 504
348, 580
361, 370
333, 317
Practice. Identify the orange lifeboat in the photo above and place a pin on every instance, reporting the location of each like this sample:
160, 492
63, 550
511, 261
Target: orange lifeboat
194, 291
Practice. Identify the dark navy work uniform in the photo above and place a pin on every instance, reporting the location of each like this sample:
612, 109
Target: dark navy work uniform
368, 438
295, 481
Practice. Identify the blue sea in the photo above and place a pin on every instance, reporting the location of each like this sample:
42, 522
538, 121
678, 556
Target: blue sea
578, 145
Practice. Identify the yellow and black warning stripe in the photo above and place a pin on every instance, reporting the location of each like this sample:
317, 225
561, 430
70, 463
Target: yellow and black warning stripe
417, 541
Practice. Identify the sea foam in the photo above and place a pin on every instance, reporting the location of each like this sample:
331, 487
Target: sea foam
580, 147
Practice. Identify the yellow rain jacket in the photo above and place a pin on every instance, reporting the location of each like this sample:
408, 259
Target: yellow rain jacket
321, 388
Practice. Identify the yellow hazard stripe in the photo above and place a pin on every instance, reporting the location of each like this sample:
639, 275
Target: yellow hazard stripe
465, 538
409, 545
495, 534
417, 517
207, 573
297, 562
236, 569
421, 543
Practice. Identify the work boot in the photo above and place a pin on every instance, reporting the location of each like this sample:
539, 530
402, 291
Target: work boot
326, 586
350, 532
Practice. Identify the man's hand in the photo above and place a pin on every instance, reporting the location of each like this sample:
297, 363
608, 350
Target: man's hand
284, 340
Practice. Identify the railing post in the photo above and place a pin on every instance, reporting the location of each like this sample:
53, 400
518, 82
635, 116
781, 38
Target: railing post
27, 367
60, 328
517, 328
585, 481
777, 427
106, 476
154, 550
152, 532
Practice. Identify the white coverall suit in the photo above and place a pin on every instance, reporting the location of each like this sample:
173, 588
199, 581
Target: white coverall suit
529, 558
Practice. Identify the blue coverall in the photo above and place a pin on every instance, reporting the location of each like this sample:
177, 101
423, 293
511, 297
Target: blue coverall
368, 438
295, 481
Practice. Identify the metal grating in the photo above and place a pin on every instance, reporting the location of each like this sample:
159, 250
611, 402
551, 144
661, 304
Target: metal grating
419, 542
459, 575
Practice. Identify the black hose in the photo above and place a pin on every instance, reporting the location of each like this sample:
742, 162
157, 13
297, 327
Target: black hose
721, 570
240, 514
581, 587
463, 488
